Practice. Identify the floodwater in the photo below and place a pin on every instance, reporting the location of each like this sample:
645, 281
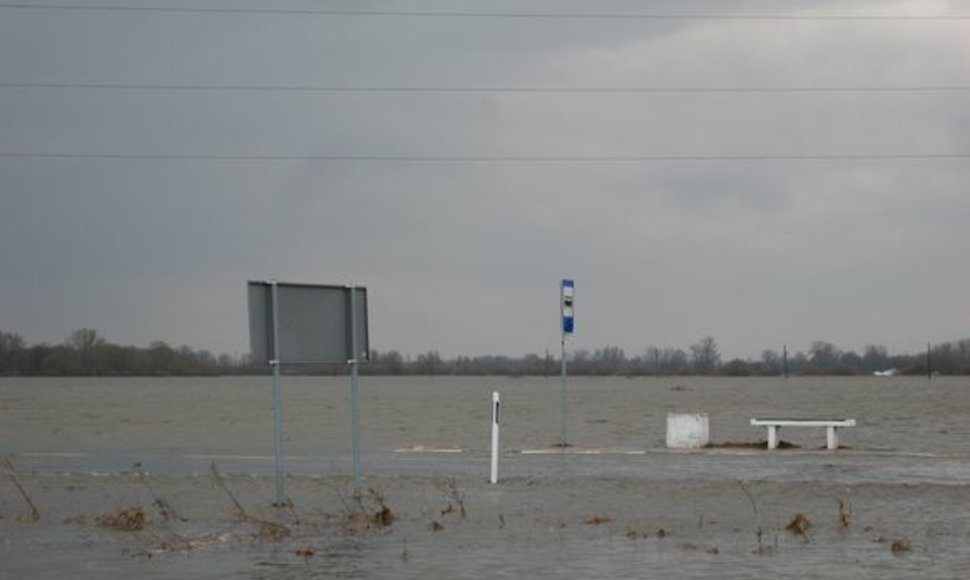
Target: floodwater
894, 501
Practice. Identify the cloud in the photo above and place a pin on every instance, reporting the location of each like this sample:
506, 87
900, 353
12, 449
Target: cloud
465, 257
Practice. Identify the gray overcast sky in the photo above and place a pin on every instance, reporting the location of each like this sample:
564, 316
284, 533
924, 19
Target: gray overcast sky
465, 256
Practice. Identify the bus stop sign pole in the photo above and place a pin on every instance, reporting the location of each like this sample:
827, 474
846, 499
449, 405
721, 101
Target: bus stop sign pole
566, 295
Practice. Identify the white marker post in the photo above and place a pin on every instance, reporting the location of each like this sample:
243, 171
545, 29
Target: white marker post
495, 418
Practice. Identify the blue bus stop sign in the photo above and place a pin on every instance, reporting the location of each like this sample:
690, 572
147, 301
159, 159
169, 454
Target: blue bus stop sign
567, 294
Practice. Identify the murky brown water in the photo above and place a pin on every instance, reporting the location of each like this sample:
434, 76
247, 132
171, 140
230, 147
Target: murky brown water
632, 510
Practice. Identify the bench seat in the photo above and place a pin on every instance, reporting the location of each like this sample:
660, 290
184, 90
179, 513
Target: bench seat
831, 427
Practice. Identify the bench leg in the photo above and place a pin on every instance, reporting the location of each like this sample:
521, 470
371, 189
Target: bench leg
832, 438
772, 437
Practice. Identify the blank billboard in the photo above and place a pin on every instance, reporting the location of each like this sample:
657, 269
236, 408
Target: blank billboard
313, 325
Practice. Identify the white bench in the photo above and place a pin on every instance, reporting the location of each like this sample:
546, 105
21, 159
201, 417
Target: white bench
832, 439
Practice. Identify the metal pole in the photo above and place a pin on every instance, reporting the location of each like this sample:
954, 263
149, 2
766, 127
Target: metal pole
565, 397
277, 398
354, 396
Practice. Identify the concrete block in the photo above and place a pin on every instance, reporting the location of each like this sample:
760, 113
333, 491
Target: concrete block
687, 430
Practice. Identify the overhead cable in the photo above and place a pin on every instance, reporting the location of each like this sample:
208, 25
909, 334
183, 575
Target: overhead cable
956, 88
485, 159
480, 14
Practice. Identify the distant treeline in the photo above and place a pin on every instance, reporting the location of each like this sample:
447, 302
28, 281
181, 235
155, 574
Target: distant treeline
84, 353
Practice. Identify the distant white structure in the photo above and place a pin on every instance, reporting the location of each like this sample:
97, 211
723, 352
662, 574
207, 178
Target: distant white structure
886, 373
687, 431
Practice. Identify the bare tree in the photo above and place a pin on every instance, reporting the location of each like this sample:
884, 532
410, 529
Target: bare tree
705, 355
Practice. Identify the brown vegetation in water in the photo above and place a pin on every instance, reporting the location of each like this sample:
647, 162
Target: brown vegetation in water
900, 547
449, 486
129, 519
799, 525
162, 505
267, 530
844, 517
360, 517
32, 514
598, 520
749, 445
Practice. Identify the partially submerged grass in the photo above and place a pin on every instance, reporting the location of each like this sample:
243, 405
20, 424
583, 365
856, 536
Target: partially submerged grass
598, 520
32, 514
454, 502
449, 486
162, 505
640, 535
761, 550
267, 529
799, 525
129, 519
900, 547
844, 517
367, 511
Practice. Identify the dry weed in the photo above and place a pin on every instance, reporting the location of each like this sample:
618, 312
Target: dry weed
267, 530
900, 547
361, 517
598, 519
449, 486
384, 516
759, 533
799, 525
357, 523
844, 517
32, 514
271, 531
131, 519
163, 506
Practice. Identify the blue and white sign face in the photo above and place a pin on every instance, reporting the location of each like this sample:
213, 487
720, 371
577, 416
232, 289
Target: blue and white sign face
567, 294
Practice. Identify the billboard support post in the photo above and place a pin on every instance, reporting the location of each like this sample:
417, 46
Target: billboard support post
277, 397
354, 396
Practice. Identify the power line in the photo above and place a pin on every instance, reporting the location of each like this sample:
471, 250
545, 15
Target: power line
492, 15
481, 89
485, 159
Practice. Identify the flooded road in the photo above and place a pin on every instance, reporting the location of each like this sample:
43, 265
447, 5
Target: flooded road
892, 503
